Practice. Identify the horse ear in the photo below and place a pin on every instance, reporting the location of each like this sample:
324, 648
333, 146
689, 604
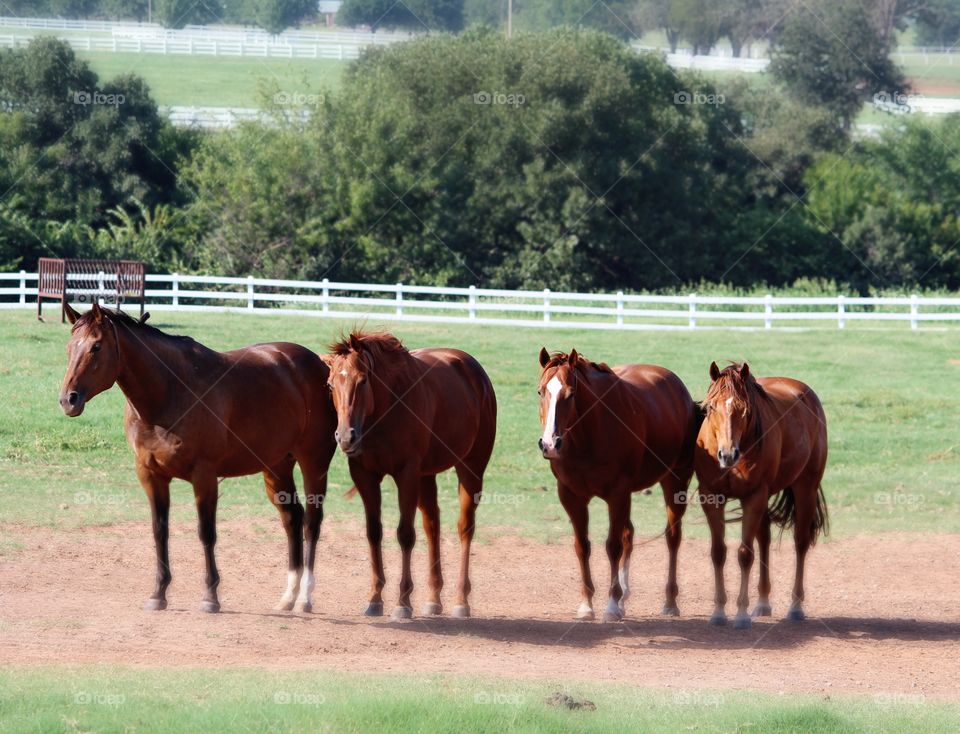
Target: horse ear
573, 358
714, 371
145, 317
544, 357
744, 371
97, 312
355, 343
71, 313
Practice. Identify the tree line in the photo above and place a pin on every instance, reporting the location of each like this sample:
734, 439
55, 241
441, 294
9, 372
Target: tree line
560, 159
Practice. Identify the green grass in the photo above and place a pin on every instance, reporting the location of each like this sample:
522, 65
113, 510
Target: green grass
106, 700
207, 81
894, 451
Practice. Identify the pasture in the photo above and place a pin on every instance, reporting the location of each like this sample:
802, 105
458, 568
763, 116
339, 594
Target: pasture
879, 651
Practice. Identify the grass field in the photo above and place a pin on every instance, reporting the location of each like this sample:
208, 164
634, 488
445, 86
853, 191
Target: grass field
893, 447
108, 699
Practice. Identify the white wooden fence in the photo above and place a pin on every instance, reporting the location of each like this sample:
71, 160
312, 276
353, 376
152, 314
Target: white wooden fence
545, 308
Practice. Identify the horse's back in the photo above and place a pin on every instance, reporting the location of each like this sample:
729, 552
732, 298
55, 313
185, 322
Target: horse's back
803, 431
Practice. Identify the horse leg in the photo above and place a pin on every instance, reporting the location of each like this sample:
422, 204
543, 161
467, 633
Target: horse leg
576, 507
805, 509
282, 493
315, 494
675, 499
754, 508
205, 491
158, 493
470, 489
408, 494
618, 509
763, 608
368, 485
714, 508
430, 514
625, 565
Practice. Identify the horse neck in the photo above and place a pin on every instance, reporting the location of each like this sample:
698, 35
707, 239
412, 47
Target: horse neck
398, 382
594, 387
759, 416
152, 368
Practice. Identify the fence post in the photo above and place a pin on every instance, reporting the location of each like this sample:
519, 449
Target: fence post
692, 309
249, 291
101, 287
326, 295
546, 304
399, 299
23, 286
768, 311
175, 288
914, 311
472, 300
841, 310
619, 308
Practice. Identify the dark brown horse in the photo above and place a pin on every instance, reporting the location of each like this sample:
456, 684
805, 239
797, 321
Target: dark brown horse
609, 432
198, 415
761, 437
412, 415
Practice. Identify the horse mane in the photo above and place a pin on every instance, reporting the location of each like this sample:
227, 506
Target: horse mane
373, 345
560, 358
731, 381
121, 318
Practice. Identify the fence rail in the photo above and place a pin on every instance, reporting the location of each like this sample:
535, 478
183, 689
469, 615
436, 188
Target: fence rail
509, 307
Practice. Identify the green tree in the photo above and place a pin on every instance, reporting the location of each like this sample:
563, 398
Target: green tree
418, 15
276, 16
831, 55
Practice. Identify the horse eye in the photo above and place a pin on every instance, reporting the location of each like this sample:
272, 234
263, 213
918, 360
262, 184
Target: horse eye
540, 393
95, 347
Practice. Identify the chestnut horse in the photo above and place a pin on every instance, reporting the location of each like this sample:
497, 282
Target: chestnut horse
609, 432
761, 437
198, 415
413, 414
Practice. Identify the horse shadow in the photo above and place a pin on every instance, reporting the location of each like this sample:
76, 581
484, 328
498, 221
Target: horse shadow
653, 633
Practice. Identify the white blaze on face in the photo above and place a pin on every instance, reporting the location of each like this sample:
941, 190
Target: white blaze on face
550, 426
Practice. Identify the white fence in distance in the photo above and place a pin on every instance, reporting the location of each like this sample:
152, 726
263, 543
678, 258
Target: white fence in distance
398, 302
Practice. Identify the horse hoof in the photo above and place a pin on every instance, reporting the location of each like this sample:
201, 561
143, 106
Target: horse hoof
796, 615
374, 609
742, 622
155, 605
211, 607
461, 611
304, 607
431, 608
586, 615
762, 610
611, 616
718, 619
402, 613
670, 610
283, 606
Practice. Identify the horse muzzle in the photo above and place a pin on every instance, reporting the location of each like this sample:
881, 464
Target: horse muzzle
551, 449
728, 459
72, 403
348, 440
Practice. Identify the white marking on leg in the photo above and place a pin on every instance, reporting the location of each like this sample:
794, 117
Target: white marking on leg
549, 427
291, 590
306, 587
625, 580
613, 609
585, 608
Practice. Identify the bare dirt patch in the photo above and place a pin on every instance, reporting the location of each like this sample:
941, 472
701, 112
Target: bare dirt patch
885, 612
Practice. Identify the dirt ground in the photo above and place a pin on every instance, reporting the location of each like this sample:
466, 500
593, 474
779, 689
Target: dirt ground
884, 612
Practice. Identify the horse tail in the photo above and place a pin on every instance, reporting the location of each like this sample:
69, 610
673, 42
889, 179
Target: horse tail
351, 493
783, 512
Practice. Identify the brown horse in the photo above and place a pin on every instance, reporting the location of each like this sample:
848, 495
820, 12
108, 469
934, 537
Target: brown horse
609, 432
412, 415
760, 437
198, 415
